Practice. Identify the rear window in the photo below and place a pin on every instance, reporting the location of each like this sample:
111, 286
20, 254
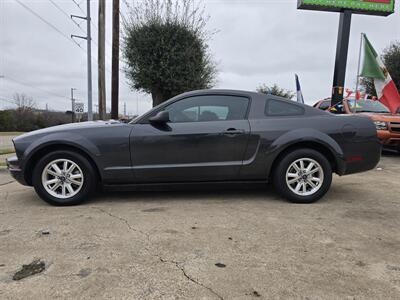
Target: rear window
282, 108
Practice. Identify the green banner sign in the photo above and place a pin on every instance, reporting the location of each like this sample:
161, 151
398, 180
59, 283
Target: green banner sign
370, 7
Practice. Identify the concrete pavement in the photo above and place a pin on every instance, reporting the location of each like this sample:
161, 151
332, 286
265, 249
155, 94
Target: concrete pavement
207, 245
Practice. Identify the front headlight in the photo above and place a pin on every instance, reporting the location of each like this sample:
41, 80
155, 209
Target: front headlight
380, 125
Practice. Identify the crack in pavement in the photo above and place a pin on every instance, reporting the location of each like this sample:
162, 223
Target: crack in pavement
8, 182
122, 220
158, 256
180, 267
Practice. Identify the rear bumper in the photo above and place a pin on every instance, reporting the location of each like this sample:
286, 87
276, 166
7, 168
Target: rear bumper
362, 157
15, 170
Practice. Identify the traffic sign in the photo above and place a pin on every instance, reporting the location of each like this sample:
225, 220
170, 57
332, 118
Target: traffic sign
79, 107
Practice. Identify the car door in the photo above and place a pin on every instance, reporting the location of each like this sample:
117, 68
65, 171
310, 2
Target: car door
205, 140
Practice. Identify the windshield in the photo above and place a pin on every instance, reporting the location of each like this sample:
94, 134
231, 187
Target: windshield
367, 106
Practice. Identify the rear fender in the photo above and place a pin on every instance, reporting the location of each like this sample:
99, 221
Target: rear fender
312, 136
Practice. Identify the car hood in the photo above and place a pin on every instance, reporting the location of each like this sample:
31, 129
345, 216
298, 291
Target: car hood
383, 117
66, 127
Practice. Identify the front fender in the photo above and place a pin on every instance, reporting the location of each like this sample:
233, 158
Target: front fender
73, 140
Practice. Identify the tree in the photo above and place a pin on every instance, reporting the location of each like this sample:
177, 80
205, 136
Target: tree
23, 102
368, 84
24, 115
391, 60
275, 90
165, 48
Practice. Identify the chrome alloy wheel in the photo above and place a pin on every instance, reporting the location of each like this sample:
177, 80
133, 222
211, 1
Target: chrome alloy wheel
304, 176
62, 178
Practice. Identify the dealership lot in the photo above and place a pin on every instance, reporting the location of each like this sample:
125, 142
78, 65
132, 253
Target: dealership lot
207, 245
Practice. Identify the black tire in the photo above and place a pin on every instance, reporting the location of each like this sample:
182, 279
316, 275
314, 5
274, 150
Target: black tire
279, 175
89, 175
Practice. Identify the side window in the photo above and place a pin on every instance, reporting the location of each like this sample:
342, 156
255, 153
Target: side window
208, 108
282, 108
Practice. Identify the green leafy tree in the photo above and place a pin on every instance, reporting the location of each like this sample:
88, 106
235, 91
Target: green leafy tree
165, 48
391, 60
276, 90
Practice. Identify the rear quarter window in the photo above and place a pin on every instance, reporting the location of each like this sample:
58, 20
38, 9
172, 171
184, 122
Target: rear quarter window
282, 108
325, 105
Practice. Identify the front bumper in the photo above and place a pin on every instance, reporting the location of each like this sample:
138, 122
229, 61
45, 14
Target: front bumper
389, 138
15, 170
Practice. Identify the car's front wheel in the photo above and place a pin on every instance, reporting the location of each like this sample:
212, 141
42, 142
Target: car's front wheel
303, 176
64, 178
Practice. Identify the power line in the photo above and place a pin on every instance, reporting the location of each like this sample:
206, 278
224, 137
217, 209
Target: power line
67, 15
48, 23
91, 22
94, 42
52, 26
88, 39
80, 8
34, 87
61, 33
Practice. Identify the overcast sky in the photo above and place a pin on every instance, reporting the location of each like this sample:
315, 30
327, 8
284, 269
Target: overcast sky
258, 41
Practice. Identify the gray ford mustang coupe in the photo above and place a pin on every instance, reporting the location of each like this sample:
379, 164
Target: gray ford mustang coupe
207, 137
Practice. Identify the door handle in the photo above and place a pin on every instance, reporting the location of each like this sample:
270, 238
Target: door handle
232, 131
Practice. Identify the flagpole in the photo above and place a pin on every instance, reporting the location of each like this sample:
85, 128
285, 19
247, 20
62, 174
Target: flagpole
358, 69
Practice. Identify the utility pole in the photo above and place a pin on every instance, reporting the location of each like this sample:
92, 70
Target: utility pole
124, 109
88, 39
101, 60
89, 62
115, 61
73, 104
341, 57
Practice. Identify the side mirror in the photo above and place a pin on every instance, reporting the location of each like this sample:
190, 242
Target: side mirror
161, 117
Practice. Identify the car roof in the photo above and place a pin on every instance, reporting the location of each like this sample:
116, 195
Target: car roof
250, 94
218, 91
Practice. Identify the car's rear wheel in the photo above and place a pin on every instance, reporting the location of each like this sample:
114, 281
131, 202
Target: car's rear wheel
64, 178
303, 176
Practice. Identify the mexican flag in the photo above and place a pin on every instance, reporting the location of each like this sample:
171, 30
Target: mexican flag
373, 67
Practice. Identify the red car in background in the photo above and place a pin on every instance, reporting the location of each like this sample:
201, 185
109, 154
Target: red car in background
387, 124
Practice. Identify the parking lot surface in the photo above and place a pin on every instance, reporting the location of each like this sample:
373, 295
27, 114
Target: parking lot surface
207, 244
